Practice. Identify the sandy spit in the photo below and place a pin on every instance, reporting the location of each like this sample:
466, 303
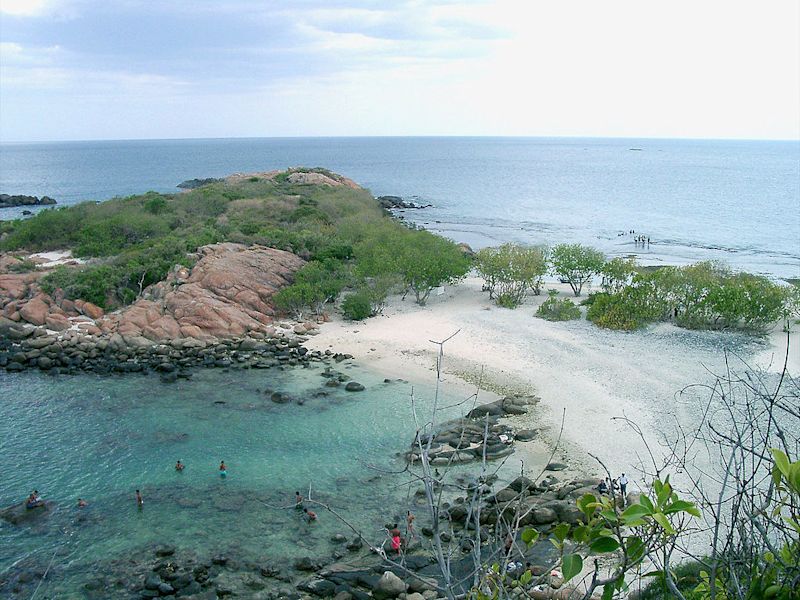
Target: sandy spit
583, 374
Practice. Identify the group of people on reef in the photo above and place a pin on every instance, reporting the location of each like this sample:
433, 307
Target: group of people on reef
608, 485
638, 239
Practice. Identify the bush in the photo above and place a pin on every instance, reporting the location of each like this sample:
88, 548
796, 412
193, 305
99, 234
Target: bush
23, 266
555, 309
510, 271
617, 273
421, 259
576, 264
357, 306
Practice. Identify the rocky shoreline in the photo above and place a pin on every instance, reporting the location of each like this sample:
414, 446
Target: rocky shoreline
10, 201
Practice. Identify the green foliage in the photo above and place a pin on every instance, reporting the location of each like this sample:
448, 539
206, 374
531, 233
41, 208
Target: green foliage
357, 306
556, 309
421, 259
156, 204
316, 284
510, 271
700, 296
576, 264
617, 273
23, 266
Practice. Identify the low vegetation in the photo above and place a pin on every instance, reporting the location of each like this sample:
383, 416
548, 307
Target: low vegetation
510, 271
349, 241
558, 309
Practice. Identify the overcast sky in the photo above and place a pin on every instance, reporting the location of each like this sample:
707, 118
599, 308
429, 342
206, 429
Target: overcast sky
110, 69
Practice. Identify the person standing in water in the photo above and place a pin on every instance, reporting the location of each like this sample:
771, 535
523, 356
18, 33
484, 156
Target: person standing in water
223, 469
179, 466
410, 524
310, 515
139, 499
298, 500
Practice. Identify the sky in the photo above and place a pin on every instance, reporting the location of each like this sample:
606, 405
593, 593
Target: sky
131, 69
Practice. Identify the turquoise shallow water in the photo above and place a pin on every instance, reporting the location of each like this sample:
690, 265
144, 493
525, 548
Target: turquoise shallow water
101, 438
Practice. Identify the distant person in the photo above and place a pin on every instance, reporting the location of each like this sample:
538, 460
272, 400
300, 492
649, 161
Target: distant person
179, 466
397, 544
139, 499
409, 524
223, 469
623, 484
310, 515
602, 487
82, 503
394, 530
298, 500
34, 500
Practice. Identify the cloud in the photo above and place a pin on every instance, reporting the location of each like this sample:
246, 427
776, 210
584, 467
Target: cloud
39, 8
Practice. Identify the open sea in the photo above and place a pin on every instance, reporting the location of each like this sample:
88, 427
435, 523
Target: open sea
102, 437
733, 201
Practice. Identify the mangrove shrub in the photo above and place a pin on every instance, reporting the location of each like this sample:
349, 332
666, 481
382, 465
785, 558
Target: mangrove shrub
510, 270
576, 264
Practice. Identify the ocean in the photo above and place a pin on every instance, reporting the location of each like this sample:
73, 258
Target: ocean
733, 201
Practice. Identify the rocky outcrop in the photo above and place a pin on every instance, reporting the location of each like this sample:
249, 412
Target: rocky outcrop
396, 202
298, 176
8, 201
227, 294
225, 297
193, 184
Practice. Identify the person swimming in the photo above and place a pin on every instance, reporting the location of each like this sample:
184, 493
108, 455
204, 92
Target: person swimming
179, 466
310, 515
82, 503
223, 469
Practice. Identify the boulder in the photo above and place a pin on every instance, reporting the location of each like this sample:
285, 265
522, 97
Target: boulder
525, 435
354, 386
35, 311
57, 322
388, 586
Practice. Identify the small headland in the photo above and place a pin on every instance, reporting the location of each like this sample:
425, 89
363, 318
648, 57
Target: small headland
12, 200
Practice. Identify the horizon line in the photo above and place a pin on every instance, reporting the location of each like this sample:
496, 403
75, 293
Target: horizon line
431, 136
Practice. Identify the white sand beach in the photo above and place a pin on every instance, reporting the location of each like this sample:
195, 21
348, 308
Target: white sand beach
587, 374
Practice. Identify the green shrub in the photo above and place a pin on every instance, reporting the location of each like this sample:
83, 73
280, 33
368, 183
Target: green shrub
357, 306
576, 264
510, 271
556, 309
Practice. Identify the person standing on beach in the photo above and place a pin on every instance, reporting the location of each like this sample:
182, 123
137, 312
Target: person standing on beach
623, 484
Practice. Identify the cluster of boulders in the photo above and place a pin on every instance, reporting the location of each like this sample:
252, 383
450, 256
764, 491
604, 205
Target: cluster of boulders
396, 202
536, 504
72, 353
7, 201
480, 434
